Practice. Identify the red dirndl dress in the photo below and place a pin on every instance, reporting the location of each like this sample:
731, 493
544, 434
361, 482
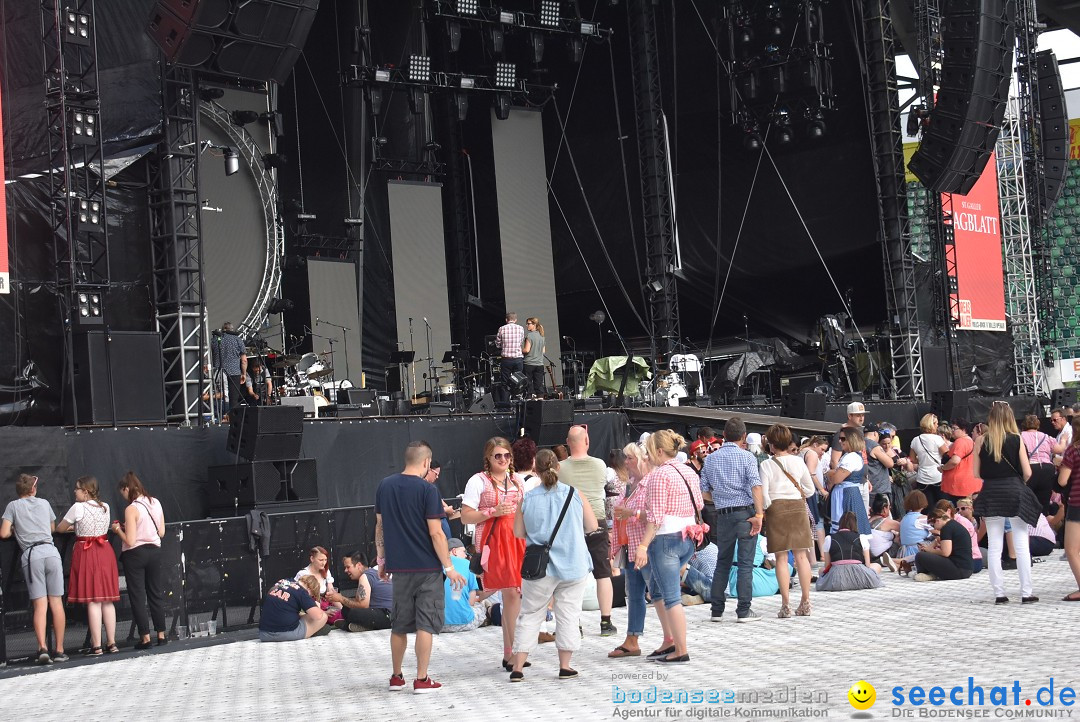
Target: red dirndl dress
504, 552
94, 576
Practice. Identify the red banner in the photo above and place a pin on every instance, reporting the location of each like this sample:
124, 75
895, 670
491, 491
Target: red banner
4, 280
980, 280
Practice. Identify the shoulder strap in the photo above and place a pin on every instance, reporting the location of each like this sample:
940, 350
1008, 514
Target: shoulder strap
789, 476
569, 497
697, 512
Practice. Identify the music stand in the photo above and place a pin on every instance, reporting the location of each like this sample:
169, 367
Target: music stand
403, 359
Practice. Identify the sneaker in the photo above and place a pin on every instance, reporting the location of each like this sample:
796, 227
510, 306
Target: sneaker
888, 563
545, 637
924, 577
61, 657
517, 676
1023, 600
342, 624
750, 616
567, 673
690, 600
354, 627
607, 629
323, 631
43, 657
397, 682
423, 686
716, 618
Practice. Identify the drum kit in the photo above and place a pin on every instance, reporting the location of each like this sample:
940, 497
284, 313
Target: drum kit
309, 374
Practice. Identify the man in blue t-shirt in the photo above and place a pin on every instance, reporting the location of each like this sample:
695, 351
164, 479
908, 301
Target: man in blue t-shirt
464, 613
281, 619
412, 546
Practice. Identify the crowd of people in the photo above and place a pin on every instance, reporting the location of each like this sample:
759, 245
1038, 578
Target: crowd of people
675, 522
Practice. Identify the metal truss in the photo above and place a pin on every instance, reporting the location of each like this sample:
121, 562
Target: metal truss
929, 50
894, 227
1021, 299
176, 250
661, 248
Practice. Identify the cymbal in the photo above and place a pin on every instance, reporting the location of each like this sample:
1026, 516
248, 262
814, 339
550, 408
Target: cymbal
321, 373
280, 362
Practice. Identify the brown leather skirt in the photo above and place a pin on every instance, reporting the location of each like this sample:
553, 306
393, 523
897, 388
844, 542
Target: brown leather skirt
787, 526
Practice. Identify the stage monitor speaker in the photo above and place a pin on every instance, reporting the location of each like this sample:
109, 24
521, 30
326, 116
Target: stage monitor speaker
129, 362
486, 405
978, 38
254, 39
803, 406
1060, 398
238, 488
1055, 128
950, 405
935, 369
266, 433
268, 419
548, 422
440, 408
357, 396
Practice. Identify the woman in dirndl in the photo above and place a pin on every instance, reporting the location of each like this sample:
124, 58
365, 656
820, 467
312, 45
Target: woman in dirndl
848, 566
94, 579
786, 484
846, 480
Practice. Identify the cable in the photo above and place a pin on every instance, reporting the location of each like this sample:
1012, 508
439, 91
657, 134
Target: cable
296, 122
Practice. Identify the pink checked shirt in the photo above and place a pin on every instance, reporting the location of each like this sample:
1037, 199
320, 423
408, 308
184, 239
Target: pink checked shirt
667, 493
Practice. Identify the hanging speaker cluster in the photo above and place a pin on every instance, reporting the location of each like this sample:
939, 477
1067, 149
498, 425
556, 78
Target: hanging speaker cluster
978, 38
253, 39
1054, 135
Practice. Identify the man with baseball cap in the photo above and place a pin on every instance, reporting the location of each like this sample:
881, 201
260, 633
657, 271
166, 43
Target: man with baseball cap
856, 415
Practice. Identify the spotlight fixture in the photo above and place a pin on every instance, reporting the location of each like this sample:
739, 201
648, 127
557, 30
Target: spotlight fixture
89, 307
353, 222
507, 18
816, 127
467, 7
587, 28
294, 262
505, 75
915, 119
655, 286
211, 94
83, 126
232, 161
782, 122
274, 119
549, 13
420, 68
76, 27
382, 76
243, 117
502, 105
90, 215
432, 147
467, 83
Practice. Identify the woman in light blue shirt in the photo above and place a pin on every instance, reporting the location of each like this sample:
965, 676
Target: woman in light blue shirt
568, 569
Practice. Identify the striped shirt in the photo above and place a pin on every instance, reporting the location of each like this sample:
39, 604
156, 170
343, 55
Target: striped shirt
635, 525
667, 493
510, 338
730, 474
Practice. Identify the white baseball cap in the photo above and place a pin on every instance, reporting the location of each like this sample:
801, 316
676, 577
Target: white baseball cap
856, 407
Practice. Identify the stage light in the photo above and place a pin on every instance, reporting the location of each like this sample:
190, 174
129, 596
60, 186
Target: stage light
232, 161
274, 160
505, 75
90, 215
275, 121
536, 41
467, 7
243, 117
502, 105
654, 286
294, 262
588, 28
432, 146
89, 304
382, 76
419, 68
467, 83
211, 94
76, 27
816, 127
507, 18
83, 126
549, 13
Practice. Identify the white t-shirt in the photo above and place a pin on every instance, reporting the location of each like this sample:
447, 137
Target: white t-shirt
322, 582
926, 448
776, 485
852, 461
1065, 435
89, 518
474, 487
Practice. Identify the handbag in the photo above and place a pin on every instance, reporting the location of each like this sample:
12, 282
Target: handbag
476, 564
703, 542
809, 513
535, 562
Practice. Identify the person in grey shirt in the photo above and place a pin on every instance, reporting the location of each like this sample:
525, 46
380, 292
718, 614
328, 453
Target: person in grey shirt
533, 348
588, 475
32, 521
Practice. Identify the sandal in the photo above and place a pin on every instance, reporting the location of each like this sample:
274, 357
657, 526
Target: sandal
1072, 597
622, 651
785, 612
803, 610
112, 649
661, 652
93, 652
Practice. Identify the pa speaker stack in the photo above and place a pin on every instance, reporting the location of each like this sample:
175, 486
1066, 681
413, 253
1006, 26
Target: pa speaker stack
269, 439
1055, 129
802, 405
548, 422
253, 39
978, 38
1061, 398
950, 405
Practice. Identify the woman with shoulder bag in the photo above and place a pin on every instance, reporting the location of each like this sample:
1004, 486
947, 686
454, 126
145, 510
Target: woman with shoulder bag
786, 484
490, 496
141, 533
554, 517
927, 451
1040, 449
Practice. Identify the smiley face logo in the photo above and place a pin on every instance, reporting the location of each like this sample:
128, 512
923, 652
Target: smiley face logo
862, 695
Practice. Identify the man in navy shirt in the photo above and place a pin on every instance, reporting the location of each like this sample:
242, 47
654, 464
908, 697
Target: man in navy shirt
280, 620
411, 545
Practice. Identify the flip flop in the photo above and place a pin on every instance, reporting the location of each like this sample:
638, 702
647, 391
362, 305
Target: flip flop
1072, 597
622, 651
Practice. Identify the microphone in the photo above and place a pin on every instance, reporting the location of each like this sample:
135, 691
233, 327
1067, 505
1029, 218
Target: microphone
567, 338
425, 319
316, 320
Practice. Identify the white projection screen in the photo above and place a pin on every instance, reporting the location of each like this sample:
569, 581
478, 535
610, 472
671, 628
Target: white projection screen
524, 224
333, 297
419, 251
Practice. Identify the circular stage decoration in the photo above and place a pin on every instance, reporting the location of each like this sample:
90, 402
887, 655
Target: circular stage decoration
242, 243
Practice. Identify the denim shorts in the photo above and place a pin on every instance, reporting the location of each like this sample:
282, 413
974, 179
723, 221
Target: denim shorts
667, 555
293, 635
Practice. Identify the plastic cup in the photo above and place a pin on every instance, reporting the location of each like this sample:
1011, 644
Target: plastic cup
181, 632
211, 627
203, 631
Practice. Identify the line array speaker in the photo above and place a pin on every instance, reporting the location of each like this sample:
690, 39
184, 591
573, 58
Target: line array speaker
548, 422
1055, 128
978, 38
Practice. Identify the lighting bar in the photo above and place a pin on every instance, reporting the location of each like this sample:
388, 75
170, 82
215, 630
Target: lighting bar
419, 68
83, 127
467, 7
90, 215
505, 75
549, 13
76, 27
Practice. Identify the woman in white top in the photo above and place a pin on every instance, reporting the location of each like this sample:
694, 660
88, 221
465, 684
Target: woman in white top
785, 486
319, 567
927, 451
144, 525
811, 453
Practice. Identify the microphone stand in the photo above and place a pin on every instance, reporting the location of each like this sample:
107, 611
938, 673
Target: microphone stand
625, 369
345, 336
435, 392
573, 366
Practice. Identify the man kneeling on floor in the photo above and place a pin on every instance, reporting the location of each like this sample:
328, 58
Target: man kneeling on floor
290, 612
370, 607
463, 609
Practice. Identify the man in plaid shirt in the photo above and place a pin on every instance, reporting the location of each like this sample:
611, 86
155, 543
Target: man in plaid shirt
510, 338
730, 476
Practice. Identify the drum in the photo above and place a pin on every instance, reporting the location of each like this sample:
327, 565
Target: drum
306, 362
447, 389
684, 362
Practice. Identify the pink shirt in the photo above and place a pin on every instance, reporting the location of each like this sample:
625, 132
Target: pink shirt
1039, 446
150, 513
976, 553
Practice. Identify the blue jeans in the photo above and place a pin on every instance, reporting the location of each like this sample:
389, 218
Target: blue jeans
667, 555
698, 583
635, 598
733, 531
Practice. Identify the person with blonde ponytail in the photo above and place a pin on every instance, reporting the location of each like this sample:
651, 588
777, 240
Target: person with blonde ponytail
533, 348
490, 495
94, 579
568, 568
1001, 461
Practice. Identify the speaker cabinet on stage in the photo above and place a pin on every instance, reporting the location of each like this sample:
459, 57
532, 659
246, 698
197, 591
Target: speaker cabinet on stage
486, 405
127, 361
254, 39
803, 406
1055, 128
935, 369
950, 405
547, 422
266, 433
978, 38
1062, 397
241, 487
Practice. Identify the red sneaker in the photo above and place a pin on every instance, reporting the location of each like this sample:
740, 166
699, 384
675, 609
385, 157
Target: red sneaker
397, 682
423, 686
